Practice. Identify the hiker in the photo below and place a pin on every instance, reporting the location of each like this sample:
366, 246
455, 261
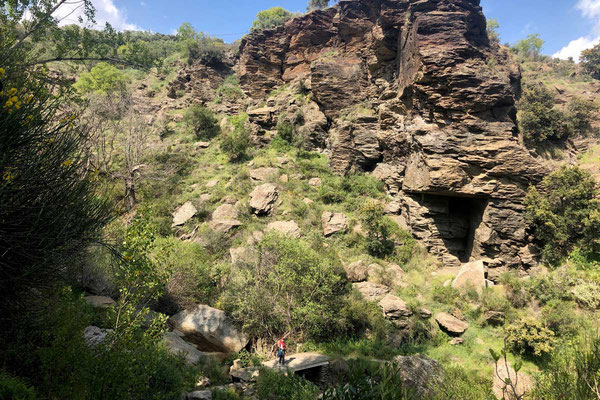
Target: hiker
281, 351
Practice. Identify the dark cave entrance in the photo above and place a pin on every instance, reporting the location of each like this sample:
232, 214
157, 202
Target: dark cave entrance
456, 219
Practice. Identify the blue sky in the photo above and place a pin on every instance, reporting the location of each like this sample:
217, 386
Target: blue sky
567, 26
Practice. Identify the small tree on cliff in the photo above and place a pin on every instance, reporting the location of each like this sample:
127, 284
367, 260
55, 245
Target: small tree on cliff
492, 30
317, 4
271, 18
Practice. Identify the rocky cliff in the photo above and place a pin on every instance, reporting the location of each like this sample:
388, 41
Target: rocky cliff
414, 92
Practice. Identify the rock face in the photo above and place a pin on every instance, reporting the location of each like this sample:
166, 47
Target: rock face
94, 336
262, 174
333, 223
225, 211
262, 198
450, 324
99, 301
209, 329
409, 93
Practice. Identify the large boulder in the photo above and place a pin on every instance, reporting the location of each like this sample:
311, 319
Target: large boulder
471, 275
394, 307
524, 383
389, 274
224, 225
263, 198
209, 329
287, 228
183, 214
419, 373
357, 271
371, 291
225, 211
333, 223
177, 345
450, 324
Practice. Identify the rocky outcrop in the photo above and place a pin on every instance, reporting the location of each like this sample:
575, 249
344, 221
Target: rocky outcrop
99, 301
262, 198
333, 223
209, 329
94, 336
414, 91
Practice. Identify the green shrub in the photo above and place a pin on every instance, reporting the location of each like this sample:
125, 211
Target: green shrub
273, 385
529, 337
202, 122
103, 78
364, 380
235, 144
459, 383
587, 294
331, 192
271, 18
573, 373
12, 388
229, 90
539, 119
311, 280
447, 295
225, 394
565, 213
203, 48
517, 292
378, 229
286, 132
561, 318
580, 114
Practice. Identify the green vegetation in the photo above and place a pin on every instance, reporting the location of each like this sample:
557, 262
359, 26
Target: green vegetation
197, 46
317, 4
229, 90
529, 47
102, 79
312, 282
271, 18
590, 60
202, 122
530, 338
492, 30
564, 213
235, 144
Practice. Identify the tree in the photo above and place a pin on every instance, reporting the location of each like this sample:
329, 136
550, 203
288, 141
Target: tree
590, 60
186, 32
202, 121
378, 230
117, 141
492, 30
25, 24
565, 213
235, 144
102, 79
529, 47
271, 18
317, 4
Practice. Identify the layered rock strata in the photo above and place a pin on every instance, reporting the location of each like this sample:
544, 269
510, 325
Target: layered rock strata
414, 91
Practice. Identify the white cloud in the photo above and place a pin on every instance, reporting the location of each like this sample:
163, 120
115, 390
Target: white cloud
589, 9
575, 47
106, 11
143, 3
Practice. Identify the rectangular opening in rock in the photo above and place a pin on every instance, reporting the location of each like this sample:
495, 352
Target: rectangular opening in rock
456, 219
